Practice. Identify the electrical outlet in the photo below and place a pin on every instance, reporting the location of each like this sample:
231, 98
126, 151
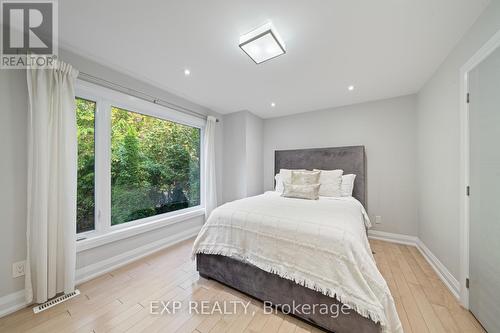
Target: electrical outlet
18, 268
378, 219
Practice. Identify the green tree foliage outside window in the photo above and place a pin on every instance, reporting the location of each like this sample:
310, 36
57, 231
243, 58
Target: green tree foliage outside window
155, 166
85, 120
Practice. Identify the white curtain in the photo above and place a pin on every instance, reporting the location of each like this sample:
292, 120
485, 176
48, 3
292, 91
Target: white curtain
209, 157
52, 182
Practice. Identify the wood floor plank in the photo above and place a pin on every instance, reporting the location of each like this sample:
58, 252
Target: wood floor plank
431, 319
287, 326
426, 267
273, 324
446, 318
199, 317
415, 318
405, 267
257, 323
172, 322
419, 274
208, 323
402, 315
243, 321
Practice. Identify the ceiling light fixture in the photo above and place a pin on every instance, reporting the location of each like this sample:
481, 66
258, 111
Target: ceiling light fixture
262, 44
273, 104
351, 88
187, 72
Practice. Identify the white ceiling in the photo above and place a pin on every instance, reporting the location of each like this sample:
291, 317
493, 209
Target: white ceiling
385, 48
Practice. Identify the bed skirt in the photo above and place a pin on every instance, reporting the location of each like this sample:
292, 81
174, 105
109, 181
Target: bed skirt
268, 287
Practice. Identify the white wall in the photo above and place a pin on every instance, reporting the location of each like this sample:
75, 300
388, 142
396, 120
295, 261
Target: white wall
254, 146
387, 130
234, 181
242, 155
13, 170
438, 142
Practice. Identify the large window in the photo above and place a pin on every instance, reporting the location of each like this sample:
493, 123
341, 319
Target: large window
137, 162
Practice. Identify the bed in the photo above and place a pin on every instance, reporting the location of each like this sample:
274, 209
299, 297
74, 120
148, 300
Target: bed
293, 251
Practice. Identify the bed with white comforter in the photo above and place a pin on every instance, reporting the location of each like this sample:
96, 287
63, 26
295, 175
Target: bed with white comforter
320, 244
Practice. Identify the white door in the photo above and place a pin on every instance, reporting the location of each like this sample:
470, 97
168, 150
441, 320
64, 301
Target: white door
484, 120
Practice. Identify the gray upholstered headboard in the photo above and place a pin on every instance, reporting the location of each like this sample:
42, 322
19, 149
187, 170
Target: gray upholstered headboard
350, 159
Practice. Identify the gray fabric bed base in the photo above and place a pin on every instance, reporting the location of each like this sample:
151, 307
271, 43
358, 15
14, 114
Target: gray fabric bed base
265, 286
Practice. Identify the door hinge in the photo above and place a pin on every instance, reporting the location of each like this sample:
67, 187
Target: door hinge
468, 97
467, 283
467, 191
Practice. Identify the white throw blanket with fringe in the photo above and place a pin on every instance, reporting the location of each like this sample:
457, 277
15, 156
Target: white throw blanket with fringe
320, 244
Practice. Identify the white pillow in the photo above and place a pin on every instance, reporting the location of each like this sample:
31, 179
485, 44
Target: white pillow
347, 185
279, 183
309, 192
330, 181
284, 176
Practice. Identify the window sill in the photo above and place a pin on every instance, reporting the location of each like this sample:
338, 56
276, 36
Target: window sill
135, 230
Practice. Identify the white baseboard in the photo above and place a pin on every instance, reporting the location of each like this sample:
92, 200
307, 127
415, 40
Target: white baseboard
89, 272
12, 302
393, 238
444, 274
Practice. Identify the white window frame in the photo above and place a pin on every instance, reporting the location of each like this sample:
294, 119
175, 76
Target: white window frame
105, 99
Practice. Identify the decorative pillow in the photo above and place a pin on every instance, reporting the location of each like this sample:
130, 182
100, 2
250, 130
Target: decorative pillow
309, 192
305, 177
330, 181
284, 176
347, 185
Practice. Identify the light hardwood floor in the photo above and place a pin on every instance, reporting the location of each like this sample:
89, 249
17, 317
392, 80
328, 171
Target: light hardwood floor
120, 301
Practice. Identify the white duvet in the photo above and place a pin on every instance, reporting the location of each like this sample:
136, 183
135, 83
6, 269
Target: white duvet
320, 244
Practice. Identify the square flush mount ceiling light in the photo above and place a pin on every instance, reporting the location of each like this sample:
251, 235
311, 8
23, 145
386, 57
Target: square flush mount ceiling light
262, 44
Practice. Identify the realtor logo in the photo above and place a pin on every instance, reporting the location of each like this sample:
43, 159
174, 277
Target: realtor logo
29, 33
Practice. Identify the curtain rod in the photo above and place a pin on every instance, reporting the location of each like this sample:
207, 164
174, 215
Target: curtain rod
139, 94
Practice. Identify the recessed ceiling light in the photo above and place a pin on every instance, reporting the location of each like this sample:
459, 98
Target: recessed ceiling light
187, 72
351, 88
273, 104
263, 43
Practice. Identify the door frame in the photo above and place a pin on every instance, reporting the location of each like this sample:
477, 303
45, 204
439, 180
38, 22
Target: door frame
486, 50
